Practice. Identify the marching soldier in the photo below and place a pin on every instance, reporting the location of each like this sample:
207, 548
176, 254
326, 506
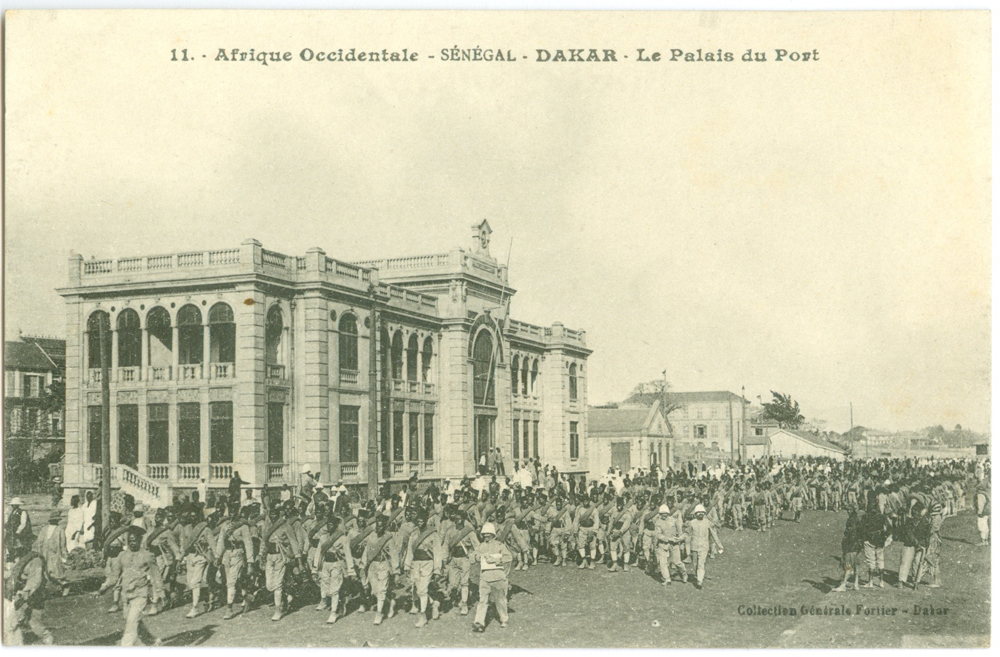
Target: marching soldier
24, 600
279, 547
334, 562
140, 586
235, 545
196, 546
460, 542
620, 536
585, 528
423, 561
379, 561
161, 542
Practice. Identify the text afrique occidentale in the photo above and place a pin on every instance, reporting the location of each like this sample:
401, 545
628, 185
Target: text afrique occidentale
540, 55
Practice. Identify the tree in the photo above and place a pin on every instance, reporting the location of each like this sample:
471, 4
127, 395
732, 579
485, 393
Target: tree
784, 410
650, 392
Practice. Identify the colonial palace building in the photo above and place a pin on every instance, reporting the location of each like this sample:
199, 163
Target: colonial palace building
249, 360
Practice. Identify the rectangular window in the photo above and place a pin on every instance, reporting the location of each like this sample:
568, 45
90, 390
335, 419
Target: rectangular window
414, 429
715, 411
189, 432
33, 385
349, 434
128, 434
94, 434
397, 436
574, 441
534, 430
527, 439
221, 432
158, 433
276, 432
429, 437
8, 383
515, 443
715, 431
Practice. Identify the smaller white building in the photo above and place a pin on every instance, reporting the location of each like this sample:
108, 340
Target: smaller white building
623, 438
789, 444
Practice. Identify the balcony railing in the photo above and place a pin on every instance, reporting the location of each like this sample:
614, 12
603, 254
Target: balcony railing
276, 472
275, 372
95, 375
161, 373
398, 468
412, 386
348, 469
397, 385
158, 472
348, 377
223, 370
428, 388
128, 375
188, 472
221, 470
190, 372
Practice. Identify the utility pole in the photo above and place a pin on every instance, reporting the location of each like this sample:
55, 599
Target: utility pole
743, 419
105, 421
373, 333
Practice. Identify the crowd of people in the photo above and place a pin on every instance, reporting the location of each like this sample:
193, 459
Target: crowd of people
438, 548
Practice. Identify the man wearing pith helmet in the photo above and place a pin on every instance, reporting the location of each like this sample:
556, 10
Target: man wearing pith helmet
494, 562
668, 538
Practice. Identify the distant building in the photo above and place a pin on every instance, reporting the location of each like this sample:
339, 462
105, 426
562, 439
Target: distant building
627, 437
31, 366
789, 444
245, 359
708, 427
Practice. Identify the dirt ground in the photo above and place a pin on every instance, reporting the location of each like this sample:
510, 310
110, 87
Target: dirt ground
793, 568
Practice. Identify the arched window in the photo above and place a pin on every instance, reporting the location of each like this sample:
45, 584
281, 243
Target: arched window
534, 376
482, 370
189, 336
348, 343
397, 356
514, 363
94, 323
274, 329
129, 339
524, 378
412, 353
572, 382
222, 334
161, 337
427, 364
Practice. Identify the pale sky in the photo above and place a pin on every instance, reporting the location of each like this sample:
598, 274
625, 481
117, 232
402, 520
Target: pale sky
820, 229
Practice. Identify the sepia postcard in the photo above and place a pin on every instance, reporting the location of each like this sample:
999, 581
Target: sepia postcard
497, 329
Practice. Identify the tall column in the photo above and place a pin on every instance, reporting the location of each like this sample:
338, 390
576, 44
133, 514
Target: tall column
175, 353
206, 341
114, 355
314, 378
404, 375
144, 350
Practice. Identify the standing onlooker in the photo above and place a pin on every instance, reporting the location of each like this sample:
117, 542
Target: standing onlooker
982, 506
501, 470
91, 518
235, 484
74, 524
874, 532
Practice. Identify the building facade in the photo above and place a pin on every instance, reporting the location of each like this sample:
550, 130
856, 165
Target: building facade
249, 360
